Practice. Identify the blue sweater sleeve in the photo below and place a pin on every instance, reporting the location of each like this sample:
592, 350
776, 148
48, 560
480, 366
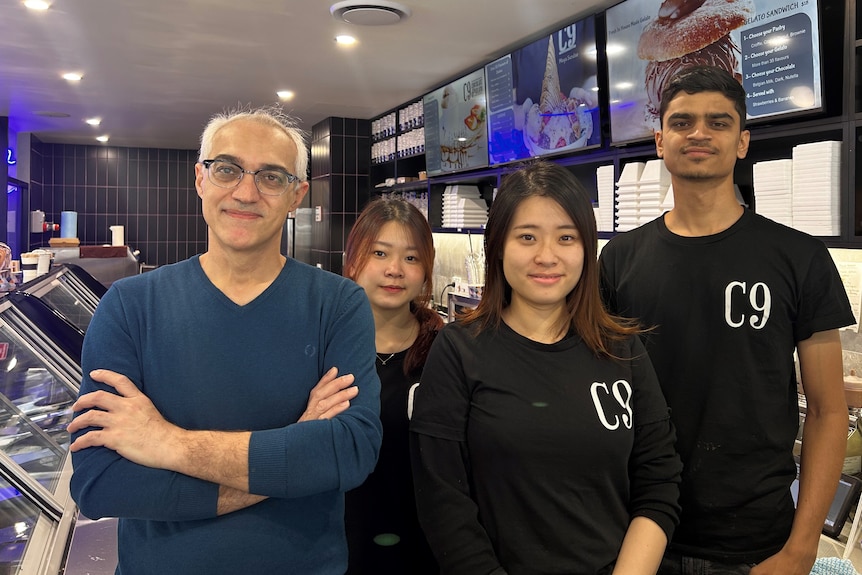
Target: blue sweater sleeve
335, 454
104, 484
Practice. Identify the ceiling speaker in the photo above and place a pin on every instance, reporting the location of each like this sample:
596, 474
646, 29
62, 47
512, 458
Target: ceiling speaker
379, 13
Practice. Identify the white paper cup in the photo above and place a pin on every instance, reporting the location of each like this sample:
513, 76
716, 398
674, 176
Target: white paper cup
29, 265
117, 236
43, 264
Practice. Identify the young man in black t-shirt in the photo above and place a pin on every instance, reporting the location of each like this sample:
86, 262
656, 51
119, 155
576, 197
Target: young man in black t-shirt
730, 295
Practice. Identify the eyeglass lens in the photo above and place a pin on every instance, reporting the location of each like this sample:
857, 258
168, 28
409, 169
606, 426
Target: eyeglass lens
227, 175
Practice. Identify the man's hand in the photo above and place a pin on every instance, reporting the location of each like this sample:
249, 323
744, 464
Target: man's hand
127, 423
787, 562
330, 396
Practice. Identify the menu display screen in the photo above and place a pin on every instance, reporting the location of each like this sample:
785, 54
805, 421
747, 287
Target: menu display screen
543, 98
771, 46
456, 137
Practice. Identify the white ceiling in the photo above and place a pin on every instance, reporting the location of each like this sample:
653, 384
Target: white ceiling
156, 70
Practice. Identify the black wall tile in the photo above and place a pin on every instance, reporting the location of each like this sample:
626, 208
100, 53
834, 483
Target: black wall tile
101, 200
336, 154
336, 263
80, 171
111, 197
336, 231
363, 158
363, 128
336, 126
350, 126
350, 160
336, 193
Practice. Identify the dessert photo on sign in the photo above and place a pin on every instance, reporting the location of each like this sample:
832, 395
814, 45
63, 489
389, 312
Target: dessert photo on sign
558, 121
455, 125
543, 98
556, 97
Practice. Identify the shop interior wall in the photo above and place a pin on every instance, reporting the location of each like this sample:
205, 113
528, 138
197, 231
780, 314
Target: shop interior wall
149, 191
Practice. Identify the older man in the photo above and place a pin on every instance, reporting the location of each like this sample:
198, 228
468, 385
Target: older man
194, 423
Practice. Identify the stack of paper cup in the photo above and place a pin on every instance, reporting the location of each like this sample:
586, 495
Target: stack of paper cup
29, 265
43, 263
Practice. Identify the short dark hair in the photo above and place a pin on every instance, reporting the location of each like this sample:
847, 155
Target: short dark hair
696, 79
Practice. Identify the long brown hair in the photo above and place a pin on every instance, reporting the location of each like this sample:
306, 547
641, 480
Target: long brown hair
585, 311
358, 251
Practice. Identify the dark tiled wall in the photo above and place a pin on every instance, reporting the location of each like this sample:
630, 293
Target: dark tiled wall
340, 185
149, 191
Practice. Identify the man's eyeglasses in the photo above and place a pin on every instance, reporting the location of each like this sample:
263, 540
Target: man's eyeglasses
269, 181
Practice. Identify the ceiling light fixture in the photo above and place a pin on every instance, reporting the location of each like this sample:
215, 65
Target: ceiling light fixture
102, 138
37, 4
285, 94
72, 76
345, 40
375, 13
94, 121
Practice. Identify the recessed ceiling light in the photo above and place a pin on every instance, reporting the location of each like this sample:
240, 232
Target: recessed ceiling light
94, 121
102, 138
37, 4
285, 94
72, 76
345, 40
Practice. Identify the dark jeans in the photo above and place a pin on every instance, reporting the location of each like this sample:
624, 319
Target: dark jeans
673, 564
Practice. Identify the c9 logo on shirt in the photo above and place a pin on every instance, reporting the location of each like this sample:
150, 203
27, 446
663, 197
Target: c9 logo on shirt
622, 394
759, 298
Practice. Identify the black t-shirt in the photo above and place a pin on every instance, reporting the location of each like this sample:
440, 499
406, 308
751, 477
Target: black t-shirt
728, 310
383, 533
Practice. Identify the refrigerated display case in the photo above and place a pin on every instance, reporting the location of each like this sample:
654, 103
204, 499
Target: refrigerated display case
39, 382
70, 291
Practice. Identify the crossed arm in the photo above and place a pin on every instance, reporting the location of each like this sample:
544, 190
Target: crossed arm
128, 423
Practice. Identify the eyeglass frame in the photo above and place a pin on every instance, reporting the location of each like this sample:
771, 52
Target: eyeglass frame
291, 178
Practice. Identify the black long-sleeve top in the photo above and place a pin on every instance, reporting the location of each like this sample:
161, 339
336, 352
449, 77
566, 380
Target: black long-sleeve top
534, 458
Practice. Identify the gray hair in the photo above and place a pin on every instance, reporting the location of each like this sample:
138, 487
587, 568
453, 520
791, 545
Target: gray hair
272, 116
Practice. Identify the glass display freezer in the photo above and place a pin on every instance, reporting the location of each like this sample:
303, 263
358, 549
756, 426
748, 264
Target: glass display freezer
39, 381
70, 291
